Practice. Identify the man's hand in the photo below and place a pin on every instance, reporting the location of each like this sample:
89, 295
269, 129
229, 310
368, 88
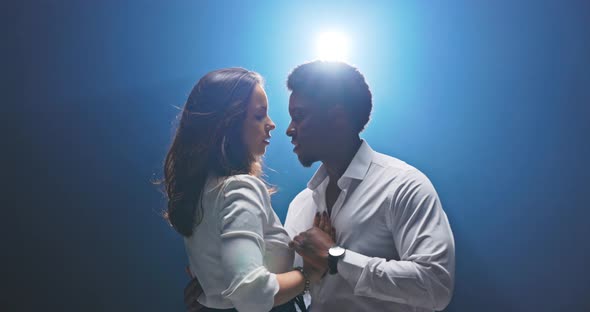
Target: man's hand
314, 243
192, 291
323, 222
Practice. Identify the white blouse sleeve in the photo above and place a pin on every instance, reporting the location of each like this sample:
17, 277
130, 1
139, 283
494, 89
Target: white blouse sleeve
250, 286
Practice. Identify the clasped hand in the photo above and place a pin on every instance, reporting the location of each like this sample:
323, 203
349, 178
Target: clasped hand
313, 244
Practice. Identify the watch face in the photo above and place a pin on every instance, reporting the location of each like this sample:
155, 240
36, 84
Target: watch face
336, 251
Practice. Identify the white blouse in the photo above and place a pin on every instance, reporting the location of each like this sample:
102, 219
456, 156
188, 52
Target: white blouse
239, 245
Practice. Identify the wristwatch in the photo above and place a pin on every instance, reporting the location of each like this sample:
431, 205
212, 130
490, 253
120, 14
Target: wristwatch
334, 254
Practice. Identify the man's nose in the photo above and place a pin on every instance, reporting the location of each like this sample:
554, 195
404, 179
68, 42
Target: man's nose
290, 130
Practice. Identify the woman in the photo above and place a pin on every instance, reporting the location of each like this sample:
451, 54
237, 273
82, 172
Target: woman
236, 245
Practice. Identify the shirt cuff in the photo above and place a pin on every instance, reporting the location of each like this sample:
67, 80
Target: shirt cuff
351, 266
259, 284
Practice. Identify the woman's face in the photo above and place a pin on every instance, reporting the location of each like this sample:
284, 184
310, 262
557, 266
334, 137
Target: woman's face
257, 126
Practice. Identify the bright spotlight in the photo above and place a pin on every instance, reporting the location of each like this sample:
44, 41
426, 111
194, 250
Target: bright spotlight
332, 46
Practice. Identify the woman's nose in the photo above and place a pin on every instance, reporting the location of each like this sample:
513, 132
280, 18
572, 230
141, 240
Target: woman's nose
271, 125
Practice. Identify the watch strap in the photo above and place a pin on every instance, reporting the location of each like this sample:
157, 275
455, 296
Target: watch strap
333, 264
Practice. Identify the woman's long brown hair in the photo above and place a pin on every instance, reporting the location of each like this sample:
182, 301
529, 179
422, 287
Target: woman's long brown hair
208, 139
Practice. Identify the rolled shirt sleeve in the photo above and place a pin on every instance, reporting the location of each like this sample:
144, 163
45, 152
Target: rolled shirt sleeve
424, 275
250, 286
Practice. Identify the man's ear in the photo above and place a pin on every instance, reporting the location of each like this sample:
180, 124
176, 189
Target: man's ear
339, 116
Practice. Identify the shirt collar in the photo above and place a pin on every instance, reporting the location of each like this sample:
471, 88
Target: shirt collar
356, 170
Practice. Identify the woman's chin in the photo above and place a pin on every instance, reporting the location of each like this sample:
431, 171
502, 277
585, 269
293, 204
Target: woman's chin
260, 153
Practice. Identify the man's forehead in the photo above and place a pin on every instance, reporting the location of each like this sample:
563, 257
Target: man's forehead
297, 101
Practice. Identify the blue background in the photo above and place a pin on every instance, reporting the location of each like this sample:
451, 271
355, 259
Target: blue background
489, 99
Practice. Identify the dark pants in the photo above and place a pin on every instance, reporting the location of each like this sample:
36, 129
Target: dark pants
287, 307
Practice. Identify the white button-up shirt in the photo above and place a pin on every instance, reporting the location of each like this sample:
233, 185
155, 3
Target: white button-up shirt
239, 246
400, 250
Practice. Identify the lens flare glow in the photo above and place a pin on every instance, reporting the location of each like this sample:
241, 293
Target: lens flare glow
332, 46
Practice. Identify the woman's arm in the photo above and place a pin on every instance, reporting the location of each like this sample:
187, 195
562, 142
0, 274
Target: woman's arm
243, 217
291, 284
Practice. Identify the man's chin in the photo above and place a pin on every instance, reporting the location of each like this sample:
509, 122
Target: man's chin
305, 161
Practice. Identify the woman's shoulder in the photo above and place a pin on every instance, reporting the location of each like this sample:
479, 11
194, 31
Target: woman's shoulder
241, 193
244, 181
241, 186
216, 183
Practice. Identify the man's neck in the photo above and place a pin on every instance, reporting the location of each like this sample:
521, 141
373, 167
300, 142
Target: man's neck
341, 159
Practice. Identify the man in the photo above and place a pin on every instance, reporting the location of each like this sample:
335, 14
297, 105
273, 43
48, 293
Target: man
394, 249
